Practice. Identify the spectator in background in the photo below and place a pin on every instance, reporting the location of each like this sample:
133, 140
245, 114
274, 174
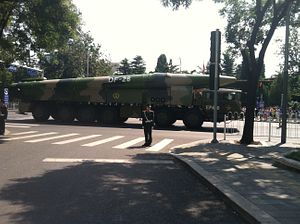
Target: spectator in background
3, 117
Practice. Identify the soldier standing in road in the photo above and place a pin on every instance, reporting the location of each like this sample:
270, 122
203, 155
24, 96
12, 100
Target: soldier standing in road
148, 123
3, 117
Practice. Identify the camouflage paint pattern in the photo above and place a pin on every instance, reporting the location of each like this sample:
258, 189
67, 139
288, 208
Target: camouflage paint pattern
157, 89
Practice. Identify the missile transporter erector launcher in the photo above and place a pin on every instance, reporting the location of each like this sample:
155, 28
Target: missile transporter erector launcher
114, 99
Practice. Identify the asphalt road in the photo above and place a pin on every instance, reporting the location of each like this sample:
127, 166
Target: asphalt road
85, 174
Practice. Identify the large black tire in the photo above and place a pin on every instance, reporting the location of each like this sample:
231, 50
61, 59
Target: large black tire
193, 119
65, 114
41, 112
86, 114
123, 119
110, 116
163, 118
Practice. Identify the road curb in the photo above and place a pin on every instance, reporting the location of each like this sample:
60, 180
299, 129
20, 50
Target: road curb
245, 208
287, 162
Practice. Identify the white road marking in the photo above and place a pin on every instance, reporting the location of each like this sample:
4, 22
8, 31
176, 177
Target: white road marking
16, 126
103, 141
129, 143
160, 145
130, 161
51, 138
30, 136
24, 133
22, 124
76, 139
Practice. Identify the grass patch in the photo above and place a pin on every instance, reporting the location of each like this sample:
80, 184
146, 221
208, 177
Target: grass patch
294, 155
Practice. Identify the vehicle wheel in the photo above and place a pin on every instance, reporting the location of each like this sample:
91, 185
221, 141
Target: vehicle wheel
86, 114
65, 114
123, 119
40, 112
109, 116
193, 119
163, 118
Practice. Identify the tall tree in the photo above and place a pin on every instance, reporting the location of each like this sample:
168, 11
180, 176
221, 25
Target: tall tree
35, 25
162, 64
228, 63
81, 57
124, 68
173, 68
294, 61
250, 28
138, 65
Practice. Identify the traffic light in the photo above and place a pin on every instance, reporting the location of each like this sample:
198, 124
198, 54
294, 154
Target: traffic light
215, 50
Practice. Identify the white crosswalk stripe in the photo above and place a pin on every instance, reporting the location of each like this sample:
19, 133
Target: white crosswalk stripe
16, 126
51, 138
30, 136
103, 141
76, 139
33, 137
24, 133
20, 125
129, 143
160, 145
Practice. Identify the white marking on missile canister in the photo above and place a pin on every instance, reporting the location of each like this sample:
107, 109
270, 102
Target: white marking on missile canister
129, 143
51, 138
103, 141
76, 139
30, 136
160, 145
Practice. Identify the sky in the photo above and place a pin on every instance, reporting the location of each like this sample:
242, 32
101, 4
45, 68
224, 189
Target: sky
127, 28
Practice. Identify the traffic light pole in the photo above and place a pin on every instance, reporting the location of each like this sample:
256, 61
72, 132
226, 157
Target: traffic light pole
217, 40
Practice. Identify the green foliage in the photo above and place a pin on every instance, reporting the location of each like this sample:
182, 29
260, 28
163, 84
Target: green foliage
173, 68
124, 68
162, 64
138, 65
295, 155
175, 4
228, 63
79, 57
276, 91
35, 25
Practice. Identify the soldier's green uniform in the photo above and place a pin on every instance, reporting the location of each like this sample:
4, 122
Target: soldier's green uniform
148, 123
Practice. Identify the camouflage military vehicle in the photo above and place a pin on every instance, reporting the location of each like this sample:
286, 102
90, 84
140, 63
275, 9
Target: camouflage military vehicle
112, 99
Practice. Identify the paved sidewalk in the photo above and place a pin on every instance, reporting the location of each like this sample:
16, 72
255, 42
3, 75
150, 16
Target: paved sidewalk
246, 177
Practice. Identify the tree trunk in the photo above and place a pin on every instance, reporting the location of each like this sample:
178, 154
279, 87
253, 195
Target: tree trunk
247, 137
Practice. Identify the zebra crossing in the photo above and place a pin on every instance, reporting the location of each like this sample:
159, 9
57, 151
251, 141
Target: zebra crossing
93, 140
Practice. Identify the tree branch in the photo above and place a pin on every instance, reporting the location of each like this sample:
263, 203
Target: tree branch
279, 14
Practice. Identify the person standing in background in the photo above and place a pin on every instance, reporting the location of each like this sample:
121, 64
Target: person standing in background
3, 117
148, 123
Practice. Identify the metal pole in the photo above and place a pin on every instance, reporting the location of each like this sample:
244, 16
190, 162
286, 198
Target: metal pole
270, 126
216, 88
225, 127
285, 78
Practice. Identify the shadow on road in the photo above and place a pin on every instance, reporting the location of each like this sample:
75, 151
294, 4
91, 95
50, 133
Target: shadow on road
93, 193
